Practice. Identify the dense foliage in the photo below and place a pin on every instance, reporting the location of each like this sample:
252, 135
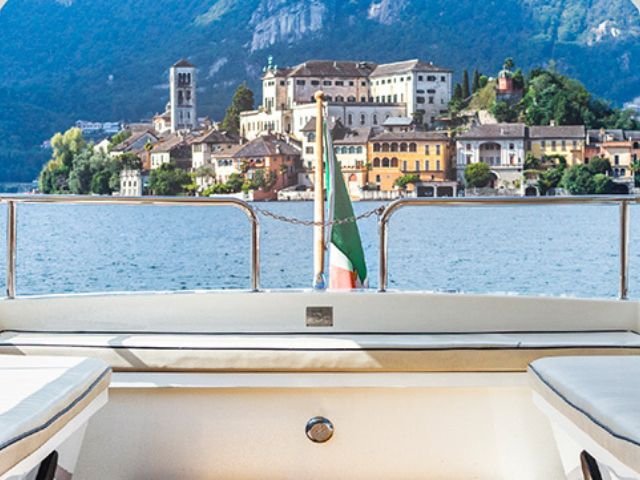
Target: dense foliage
75, 167
241, 102
477, 175
168, 180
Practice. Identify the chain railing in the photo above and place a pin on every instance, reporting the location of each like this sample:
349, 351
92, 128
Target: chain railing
12, 202
378, 211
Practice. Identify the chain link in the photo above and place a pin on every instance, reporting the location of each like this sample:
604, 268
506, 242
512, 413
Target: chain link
310, 223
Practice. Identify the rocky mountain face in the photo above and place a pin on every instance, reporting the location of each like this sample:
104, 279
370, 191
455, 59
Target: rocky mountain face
64, 60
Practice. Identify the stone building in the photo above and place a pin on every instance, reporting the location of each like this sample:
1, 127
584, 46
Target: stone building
567, 141
182, 94
426, 155
174, 148
360, 94
501, 146
620, 147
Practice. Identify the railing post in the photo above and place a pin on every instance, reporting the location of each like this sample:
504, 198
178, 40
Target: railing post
624, 250
255, 252
384, 254
12, 244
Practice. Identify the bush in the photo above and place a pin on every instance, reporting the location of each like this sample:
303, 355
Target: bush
477, 175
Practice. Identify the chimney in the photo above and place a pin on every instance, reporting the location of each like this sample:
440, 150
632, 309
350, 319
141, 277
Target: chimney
278, 151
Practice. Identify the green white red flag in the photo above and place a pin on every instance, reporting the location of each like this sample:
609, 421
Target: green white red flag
347, 266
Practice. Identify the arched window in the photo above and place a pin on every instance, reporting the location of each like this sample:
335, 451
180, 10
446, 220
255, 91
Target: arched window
363, 119
394, 162
352, 149
413, 147
351, 99
403, 147
359, 150
328, 98
385, 162
385, 147
339, 98
394, 147
376, 147
376, 162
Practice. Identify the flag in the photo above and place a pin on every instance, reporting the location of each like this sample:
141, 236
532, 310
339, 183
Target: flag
347, 266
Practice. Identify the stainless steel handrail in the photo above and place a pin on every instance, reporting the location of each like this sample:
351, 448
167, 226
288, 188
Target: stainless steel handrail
623, 201
12, 202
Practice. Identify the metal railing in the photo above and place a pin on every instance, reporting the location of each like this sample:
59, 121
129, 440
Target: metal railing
12, 202
622, 201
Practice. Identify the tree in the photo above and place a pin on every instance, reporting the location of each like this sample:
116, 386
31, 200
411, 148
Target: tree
578, 180
118, 138
54, 177
129, 161
509, 64
241, 102
477, 175
503, 112
404, 180
484, 80
466, 91
476, 81
235, 182
457, 92
531, 162
168, 179
602, 184
599, 165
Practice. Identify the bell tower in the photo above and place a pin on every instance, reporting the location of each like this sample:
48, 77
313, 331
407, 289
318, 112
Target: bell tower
182, 84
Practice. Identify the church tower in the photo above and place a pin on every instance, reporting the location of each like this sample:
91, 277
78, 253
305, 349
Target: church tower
182, 84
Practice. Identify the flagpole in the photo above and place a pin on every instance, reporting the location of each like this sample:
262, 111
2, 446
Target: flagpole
318, 217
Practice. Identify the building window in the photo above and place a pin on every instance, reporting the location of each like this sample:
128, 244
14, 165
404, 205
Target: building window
437, 149
376, 147
394, 147
616, 160
364, 84
431, 78
622, 172
426, 165
564, 145
385, 147
363, 119
431, 90
417, 165
443, 78
404, 165
377, 178
413, 147
375, 119
309, 150
438, 165
339, 83
426, 150
420, 91
419, 99
385, 162
431, 99
349, 119
575, 144
511, 146
359, 150
315, 82
543, 144
351, 99
553, 144
420, 78
376, 162
403, 147
300, 82
327, 83
394, 162
351, 83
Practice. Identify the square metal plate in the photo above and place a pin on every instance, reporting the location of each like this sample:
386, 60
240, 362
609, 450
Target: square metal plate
319, 316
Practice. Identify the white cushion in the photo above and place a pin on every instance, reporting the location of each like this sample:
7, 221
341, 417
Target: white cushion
600, 395
416, 352
39, 396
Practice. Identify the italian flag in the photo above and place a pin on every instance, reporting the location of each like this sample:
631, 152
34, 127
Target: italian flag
347, 266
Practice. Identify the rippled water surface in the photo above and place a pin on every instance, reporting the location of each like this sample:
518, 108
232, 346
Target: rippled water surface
565, 250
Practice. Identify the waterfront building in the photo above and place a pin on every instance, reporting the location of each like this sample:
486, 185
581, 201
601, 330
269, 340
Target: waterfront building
567, 141
174, 148
207, 144
131, 183
136, 143
182, 88
274, 160
427, 155
620, 147
501, 146
399, 124
162, 121
212, 157
360, 94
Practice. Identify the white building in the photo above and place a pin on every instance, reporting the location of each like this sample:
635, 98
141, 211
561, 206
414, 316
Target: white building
182, 85
361, 94
501, 146
131, 183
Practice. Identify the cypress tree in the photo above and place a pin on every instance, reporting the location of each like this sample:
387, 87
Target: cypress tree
457, 92
466, 92
476, 81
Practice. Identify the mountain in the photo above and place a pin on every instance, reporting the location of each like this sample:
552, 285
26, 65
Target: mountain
102, 60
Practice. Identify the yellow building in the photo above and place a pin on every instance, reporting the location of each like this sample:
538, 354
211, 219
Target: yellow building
394, 154
567, 141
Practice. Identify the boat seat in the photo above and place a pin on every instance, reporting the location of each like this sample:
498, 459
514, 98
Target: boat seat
39, 396
320, 352
598, 395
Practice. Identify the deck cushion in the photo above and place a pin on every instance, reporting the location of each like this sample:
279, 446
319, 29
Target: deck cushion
417, 352
600, 395
39, 396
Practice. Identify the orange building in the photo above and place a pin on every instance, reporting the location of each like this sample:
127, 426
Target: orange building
424, 154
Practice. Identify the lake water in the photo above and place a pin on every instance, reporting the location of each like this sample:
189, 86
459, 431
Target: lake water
563, 250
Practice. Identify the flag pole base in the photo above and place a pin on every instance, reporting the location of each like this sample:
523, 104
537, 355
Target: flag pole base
320, 282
